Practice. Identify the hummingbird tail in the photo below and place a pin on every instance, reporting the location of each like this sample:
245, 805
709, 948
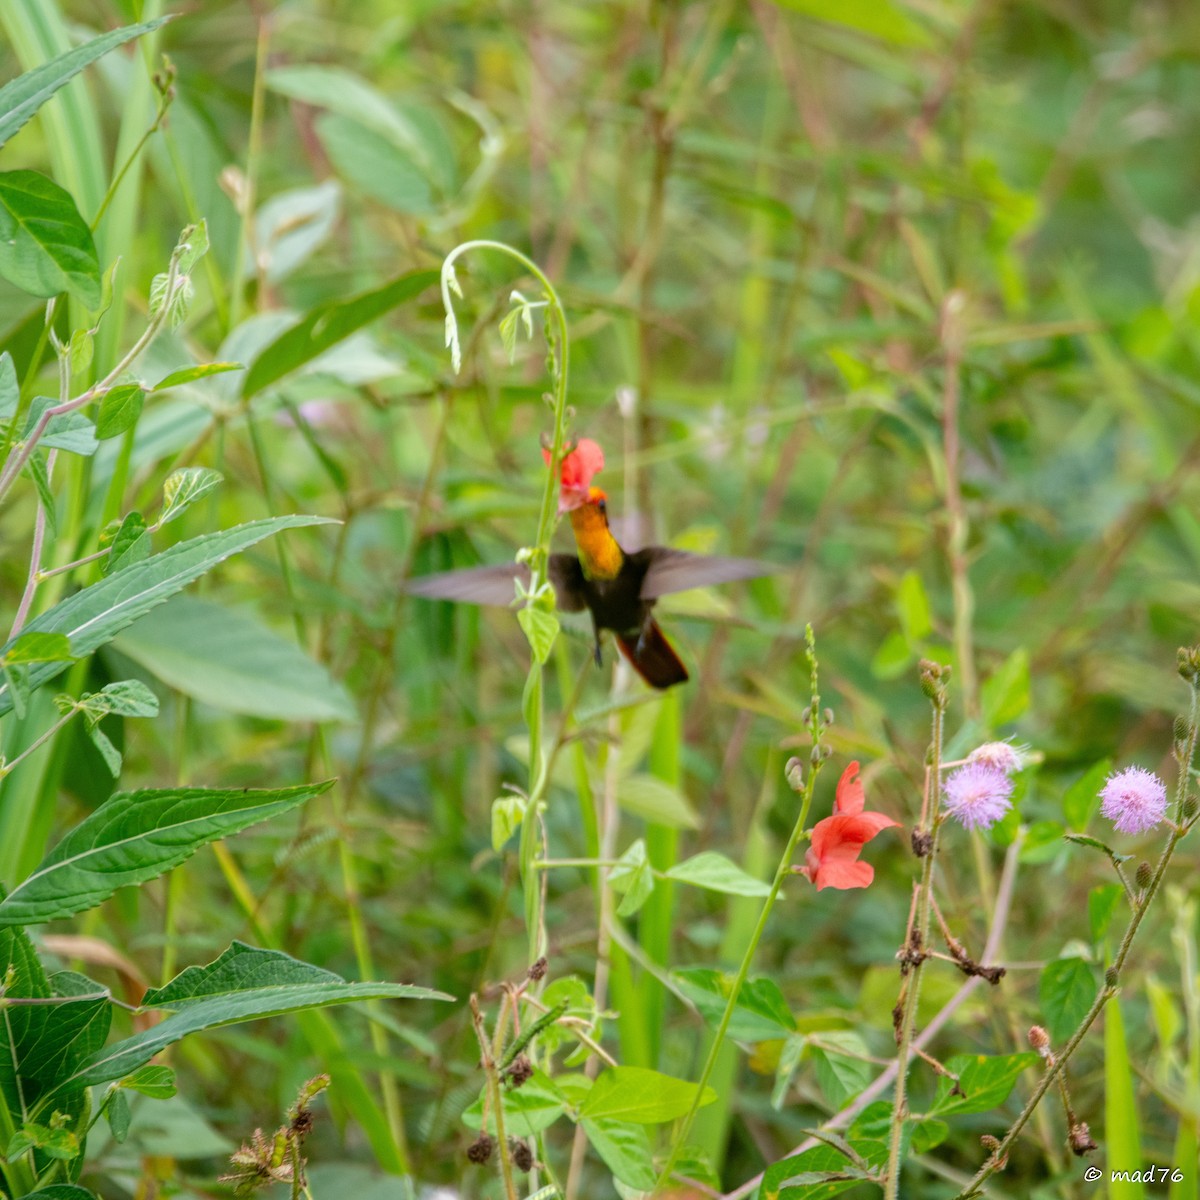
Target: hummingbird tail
652, 657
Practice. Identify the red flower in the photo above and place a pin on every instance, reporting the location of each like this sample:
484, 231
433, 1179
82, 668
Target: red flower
837, 841
575, 474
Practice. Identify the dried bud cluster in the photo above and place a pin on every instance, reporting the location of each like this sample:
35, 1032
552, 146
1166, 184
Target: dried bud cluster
1080, 1139
521, 1153
1039, 1040
538, 970
480, 1150
519, 1071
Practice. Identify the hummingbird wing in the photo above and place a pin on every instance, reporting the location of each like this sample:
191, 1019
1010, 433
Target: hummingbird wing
676, 570
496, 585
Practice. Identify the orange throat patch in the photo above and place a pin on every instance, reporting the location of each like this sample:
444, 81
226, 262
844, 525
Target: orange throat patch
599, 554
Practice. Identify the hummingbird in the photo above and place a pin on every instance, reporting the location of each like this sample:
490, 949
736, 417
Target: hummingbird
618, 588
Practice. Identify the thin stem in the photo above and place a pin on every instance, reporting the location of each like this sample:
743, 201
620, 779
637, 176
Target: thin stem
914, 952
35, 559
1112, 975
782, 871
496, 1096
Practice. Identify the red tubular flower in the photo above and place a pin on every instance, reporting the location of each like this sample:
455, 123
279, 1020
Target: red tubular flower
576, 471
837, 841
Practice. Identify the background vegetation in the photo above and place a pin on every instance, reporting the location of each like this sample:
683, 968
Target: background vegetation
901, 296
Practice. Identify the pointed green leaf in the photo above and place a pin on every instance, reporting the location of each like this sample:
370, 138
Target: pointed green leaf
120, 408
719, 874
124, 697
656, 801
130, 544
624, 1148
983, 1082
136, 836
1066, 989
329, 324
97, 614
184, 487
23, 96
46, 247
632, 879
153, 1080
191, 374
640, 1095
39, 648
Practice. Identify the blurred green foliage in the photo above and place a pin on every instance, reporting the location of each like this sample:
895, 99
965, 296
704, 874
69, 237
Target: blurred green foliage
791, 239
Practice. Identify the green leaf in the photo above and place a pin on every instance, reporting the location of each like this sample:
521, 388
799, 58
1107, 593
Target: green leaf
912, 607
1122, 1121
624, 1148
108, 752
190, 374
719, 874
810, 1170
632, 878
984, 1082
80, 351
507, 814
1066, 989
72, 432
22, 97
1082, 798
656, 801
184, 487
153, 1080
134, 837
117, 1114
640, 1095
1005, 695
240, 968
130, 544
120, 408
61, 1191
327, 325
192, 246
266, 983
230, 660
95, 615
761, 1013
46, 247
541, 628
529, 1109
840, 1076
124, 698
1103, 902
882, 19
39, 648
35, 468
375, 165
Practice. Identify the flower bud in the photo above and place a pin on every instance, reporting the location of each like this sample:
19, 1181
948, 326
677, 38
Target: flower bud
793, 772
1112, 977
1189, 808
522, 1155
480, 1150
1145, 873
1189, 663
827, 716
1080, 1139
1039, 1039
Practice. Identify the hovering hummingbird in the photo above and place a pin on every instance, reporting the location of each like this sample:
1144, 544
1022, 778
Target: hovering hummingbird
619, 589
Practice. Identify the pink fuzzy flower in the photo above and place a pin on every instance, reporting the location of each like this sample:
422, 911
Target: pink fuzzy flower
978, 795
1134, 800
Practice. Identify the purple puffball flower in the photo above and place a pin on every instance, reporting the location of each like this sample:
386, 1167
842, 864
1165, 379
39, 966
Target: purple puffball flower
978, 795
1004, 756
1134, 800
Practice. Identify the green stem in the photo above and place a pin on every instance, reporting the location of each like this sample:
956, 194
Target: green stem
782, 871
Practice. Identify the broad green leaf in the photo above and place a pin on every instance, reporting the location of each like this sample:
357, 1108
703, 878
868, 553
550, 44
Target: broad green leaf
45, 245
1066, 989
184, 487
39, 648
67, 431
241, 968
624, 1148
253, 1000
1082, 798
632, 879
191, 374
656, 801
761, 1013
882, 19
810, 1167
153, 1080
61, 1191
1005, 694
124, 697
228, 659
375, 165
327, 325
98, 613
719, 874
22, 97
541, 628
134, 837
529, 1109
130, 544
640, 1095
983, 1082
840, 1076
119, 410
